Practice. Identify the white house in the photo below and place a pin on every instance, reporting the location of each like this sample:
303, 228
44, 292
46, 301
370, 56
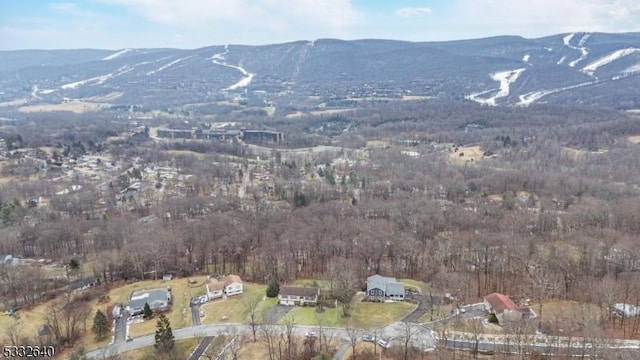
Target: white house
298, 295
229, 286
232, 285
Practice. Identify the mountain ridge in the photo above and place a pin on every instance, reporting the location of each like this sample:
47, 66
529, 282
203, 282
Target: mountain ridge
501, 70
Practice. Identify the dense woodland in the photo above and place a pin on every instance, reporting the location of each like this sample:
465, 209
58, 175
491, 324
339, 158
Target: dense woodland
550, 212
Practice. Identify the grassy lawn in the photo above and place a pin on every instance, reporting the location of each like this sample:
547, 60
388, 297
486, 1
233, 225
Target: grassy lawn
235, 309
307, 315
324, 285
368, 314
439, 312
179, 315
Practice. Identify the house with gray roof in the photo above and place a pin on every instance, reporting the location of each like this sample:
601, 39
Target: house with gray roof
381, 288
158, 300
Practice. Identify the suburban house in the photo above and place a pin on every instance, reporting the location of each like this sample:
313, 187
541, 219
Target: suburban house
381, 287
298, 295
505, 310
232, 285
229, 286
158, 300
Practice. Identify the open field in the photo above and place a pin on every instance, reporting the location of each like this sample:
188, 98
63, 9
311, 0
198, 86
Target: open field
299, 114
439, 312
466, 154
235, 308
368, 314
308, 315
376, 144
77, 107
104, 98
16, 102
634, 139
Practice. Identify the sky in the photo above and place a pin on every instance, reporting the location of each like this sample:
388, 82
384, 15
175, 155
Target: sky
118, 24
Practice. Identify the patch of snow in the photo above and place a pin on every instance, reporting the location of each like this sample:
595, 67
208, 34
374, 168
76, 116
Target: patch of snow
583, 50
584, 40
567, 39
477, 97
618, 54
219, 59
34, 92
561, 61
505, 78
116, 54
166, 66
48, 91
413, 154
631, 70
531, 97
98, 80
526, 58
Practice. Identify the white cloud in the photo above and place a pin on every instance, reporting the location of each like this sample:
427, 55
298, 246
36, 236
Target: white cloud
63, 6
413, 12
546, 17
248, 20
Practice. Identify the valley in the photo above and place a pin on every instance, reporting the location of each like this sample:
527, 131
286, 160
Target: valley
387, 199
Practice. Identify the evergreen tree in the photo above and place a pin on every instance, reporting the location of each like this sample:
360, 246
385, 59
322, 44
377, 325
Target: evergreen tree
147, 313
273, 289
100, 325
164, 335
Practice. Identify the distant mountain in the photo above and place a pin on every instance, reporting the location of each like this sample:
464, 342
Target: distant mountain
578, 68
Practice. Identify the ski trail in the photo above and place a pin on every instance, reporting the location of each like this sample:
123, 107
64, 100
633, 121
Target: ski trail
505, 78
531, 97
630, 71
583, 50
166, 66
98, 80
591, 68
220, 59
301, 60
116, 54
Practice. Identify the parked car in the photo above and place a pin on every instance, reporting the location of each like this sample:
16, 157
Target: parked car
369, 338
311, 334
384, 344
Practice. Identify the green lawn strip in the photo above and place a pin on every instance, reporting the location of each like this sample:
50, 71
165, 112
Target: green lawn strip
307, 315
234, 309
373, 314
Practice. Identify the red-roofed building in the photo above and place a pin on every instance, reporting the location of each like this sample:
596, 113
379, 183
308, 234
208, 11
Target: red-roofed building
505, 309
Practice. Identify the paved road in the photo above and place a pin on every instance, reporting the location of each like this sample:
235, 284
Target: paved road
202, 331
423, 308
202, 347
423, 337
195, 315
120, 329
